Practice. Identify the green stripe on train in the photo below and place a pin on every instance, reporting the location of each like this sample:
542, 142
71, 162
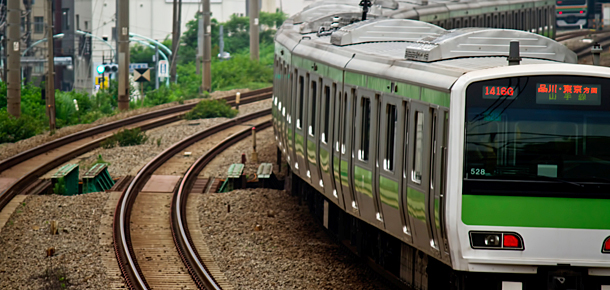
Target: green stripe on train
363, 181
311, 152
388, 191
299, 146
416, 204
538, 212
324, 161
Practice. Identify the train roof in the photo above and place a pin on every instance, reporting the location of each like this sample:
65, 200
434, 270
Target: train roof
396, 48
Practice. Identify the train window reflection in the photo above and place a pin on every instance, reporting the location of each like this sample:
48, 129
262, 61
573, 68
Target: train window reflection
366, 129
326, 114
301, 97
312, 113
388, 163
418, 152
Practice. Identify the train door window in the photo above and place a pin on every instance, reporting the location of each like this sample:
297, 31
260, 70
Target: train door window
347, 109
433, 155
301, 101
337, 117
458, 23
466, 23
312, 113
388, 161
495, 24
418, 153
365, 127
324, 135
502, 21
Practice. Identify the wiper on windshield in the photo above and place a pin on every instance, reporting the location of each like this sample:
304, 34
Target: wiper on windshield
562, 180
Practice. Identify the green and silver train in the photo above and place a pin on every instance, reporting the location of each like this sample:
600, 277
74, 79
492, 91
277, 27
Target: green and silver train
447, 160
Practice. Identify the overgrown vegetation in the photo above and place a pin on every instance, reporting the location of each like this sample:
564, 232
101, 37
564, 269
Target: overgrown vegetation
54, 277
124, 138
60, 187
237, 72
211, 109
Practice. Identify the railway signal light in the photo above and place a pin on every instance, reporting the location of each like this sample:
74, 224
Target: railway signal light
107, 68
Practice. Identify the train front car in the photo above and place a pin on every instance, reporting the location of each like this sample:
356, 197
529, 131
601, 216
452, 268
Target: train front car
571, 13
534, 177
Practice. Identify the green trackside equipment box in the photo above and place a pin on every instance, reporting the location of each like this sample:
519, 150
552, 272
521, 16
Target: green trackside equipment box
65, 180
97, 179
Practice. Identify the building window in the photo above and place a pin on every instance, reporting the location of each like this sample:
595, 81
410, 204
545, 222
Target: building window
388, 162
365, 129
77, 22
38, 24
65, 19
86, 25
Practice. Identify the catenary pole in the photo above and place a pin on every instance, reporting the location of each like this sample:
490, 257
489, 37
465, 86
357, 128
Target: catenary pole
207, 48
123, 34
175, 39
254, 12
50, 93
14, 59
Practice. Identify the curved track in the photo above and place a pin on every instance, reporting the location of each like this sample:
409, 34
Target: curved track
64, 149
122, 241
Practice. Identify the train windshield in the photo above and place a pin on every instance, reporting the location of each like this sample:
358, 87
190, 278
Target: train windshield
538, 128
571, 2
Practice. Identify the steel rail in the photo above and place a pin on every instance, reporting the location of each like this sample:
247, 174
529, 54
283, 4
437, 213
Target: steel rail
121, 230
179, 225
23, 182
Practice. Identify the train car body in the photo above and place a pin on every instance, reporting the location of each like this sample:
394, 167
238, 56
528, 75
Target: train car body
433, 156
572, 13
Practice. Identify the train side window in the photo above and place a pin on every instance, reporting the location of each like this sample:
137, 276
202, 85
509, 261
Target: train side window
346, 109
312, 114
363, 153
418, 153
324, 136
301, 98
337, 117
388, 161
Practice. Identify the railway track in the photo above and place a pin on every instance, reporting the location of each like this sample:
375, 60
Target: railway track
122, 232
22, 170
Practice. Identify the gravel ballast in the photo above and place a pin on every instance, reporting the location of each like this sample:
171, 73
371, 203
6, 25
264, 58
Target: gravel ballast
76, 262
288, 249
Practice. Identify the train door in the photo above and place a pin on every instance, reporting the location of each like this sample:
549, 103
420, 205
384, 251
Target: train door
391, 134
440, 179
347, 149
300, 164
280, 102
365, 160
337, 141
291, 95
436, 198
327, 114
285, 112
313, 130
275, 94
416, 179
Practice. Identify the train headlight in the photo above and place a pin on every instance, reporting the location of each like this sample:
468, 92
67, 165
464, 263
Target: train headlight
496, 241
492, 240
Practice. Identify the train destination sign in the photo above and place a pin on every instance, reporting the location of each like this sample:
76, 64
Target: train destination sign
496, 92
568, 94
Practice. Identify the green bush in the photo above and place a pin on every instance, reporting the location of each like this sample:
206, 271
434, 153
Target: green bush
13, 129
127, 137
211, 109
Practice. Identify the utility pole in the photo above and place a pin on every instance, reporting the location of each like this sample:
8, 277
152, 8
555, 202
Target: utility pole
175, 39
50, 94
207, 49
123, 33
254, 12
28, 41
156, 67
14, 59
